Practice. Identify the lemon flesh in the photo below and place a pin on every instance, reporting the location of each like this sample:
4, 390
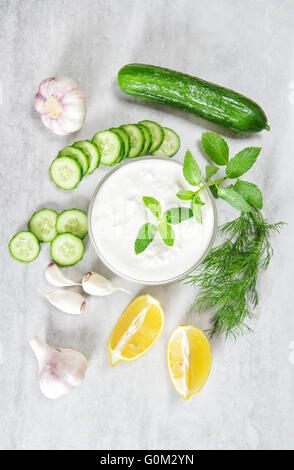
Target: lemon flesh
138, 328
189, 359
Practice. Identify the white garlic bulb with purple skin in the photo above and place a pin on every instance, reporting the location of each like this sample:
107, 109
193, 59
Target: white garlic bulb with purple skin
61, 104
61, 370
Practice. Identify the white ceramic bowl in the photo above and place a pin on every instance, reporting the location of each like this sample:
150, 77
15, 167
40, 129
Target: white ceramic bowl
123, 274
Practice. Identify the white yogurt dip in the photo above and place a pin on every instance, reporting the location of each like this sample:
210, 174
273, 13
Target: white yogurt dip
118, 212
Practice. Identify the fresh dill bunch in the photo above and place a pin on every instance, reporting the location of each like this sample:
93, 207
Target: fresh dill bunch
227, 277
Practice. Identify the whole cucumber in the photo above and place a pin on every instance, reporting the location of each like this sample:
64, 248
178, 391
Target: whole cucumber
207, 100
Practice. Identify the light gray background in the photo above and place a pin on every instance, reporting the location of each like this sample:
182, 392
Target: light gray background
248, 400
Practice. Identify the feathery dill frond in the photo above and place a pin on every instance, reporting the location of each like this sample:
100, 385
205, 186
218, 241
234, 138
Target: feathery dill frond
227, 277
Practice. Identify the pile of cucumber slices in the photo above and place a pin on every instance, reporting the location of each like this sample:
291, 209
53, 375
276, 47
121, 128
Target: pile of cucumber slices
64, 232
110, 147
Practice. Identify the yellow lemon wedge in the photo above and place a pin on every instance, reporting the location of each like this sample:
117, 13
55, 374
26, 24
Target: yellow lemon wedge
188, 359
138, 328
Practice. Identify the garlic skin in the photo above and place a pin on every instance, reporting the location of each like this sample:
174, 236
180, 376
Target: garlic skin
55, 277
61, 104
61, 370
67, 301
96, 284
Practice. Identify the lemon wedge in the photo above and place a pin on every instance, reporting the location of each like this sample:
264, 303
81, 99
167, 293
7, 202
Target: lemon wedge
138, 328
188, 359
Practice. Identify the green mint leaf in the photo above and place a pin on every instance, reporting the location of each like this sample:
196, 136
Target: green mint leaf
250, 192
234, 199
153, 205
215, 147
191, 170
167, 233
213, 190
145, 236
177, 215
210, 170
198, 200
185, 195
196, 204
242, 162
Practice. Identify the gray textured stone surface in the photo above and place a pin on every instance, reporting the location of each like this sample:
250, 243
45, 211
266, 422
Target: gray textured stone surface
248, 400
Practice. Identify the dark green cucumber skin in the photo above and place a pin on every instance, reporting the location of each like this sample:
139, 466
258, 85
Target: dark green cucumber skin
207, 100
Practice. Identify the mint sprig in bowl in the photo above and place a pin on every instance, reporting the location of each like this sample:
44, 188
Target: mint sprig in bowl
139, 228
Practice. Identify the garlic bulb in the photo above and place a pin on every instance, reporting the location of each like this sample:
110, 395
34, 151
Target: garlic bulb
55, 277
61, 370
96, 284
61, 104
67, 301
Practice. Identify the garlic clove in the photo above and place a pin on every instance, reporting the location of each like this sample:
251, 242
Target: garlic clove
53, 125
45, 87
39, 104
96, 284
55, 276
67, 301
61, 370
61, 86
61, 104
74, 97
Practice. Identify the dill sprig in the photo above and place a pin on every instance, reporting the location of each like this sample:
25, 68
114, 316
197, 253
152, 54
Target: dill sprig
227, 277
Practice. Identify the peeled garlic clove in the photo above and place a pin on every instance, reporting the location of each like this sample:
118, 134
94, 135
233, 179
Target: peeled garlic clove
55, 277
61, 104
67, 301
61, 370
96, 284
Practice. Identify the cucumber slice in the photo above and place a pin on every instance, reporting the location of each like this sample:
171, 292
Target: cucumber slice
66, 172
125, 138
67, 249
110, 145
43, 223
136, 137
24, 246
148, 138
72, 221
122, 152
170, 145
92, 152
78, 154
157, 134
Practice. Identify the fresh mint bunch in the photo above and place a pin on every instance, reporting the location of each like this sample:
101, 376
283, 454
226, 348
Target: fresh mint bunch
243, 196
164, 224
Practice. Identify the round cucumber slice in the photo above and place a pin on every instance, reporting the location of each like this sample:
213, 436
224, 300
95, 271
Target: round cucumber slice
136, 137
148, 138
42, 224
157, 134
66, 172
92, 151
67, 249
72, 221
170, 145
78, 154
110, 145
122, 151
24, 246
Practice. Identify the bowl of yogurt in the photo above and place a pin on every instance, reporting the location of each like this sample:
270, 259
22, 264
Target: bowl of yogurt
117, 212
